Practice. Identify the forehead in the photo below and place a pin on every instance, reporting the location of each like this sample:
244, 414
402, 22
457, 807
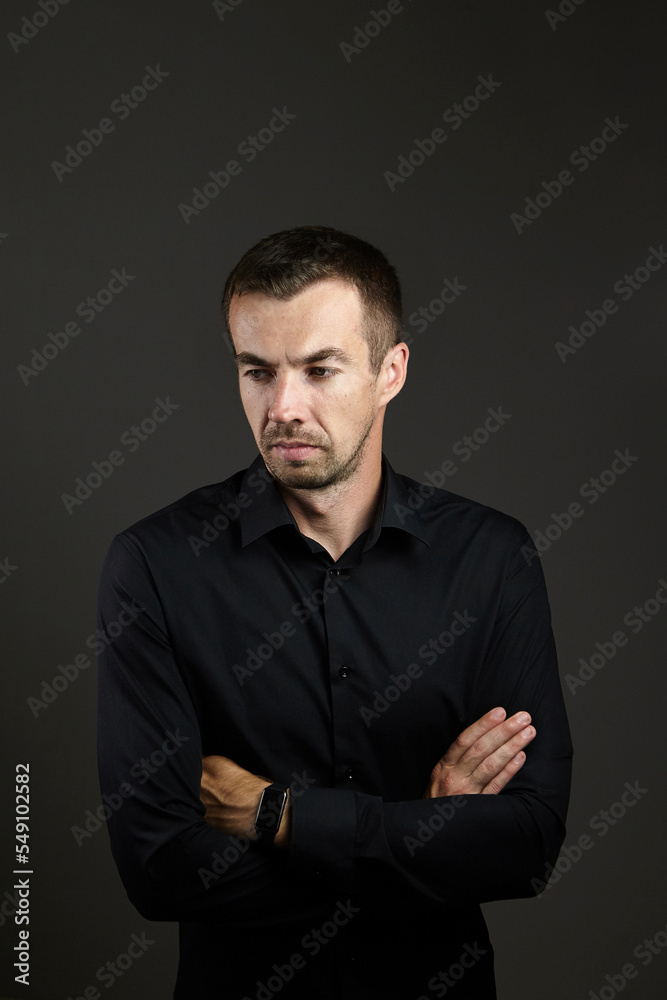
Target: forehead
325, 312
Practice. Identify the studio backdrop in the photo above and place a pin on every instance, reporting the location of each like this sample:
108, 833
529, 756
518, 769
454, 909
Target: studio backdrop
508, 158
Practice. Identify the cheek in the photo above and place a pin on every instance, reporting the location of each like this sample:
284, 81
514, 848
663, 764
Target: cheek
251, 407
350, 412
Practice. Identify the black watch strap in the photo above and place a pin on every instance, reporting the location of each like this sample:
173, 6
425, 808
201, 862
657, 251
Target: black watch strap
270, 812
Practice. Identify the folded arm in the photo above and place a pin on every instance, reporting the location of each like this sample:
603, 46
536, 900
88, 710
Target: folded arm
487, 824
493, 813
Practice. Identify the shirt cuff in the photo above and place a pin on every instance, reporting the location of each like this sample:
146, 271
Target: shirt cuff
324, 833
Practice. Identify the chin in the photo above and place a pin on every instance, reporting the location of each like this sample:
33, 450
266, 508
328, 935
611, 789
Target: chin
300, 477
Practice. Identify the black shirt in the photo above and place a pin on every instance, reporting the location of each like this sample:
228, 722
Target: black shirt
227, 631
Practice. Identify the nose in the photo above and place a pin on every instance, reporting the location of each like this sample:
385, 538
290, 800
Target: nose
287, 400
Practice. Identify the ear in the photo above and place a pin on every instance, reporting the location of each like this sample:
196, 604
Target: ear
393, 372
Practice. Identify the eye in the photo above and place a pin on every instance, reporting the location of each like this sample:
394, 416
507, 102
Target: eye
256, 374
322, 372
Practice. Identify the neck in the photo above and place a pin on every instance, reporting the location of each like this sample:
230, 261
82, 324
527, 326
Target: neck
336, 515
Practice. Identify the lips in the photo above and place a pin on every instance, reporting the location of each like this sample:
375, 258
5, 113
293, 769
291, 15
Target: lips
295, 451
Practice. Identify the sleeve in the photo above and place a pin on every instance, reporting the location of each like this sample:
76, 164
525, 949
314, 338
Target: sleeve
173, 864
467, 848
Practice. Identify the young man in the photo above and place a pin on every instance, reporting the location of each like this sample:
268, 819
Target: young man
337, 717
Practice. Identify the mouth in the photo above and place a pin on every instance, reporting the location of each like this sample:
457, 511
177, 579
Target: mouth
295, 451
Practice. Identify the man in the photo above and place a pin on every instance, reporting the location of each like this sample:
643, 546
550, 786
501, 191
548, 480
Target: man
336, 716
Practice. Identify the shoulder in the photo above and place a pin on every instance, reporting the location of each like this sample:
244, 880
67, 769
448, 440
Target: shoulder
440, 510
461, 530
217, 503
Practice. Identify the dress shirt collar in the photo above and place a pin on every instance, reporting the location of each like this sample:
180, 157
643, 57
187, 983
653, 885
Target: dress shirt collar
267, 509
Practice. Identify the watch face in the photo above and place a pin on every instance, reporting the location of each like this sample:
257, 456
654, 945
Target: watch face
271, 810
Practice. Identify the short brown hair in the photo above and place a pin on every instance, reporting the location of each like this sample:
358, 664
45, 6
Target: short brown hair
283, 264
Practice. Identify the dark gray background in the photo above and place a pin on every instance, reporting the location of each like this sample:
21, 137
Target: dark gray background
493, 347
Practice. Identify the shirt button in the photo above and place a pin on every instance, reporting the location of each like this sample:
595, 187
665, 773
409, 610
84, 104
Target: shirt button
334, 572
343, 672
348, 774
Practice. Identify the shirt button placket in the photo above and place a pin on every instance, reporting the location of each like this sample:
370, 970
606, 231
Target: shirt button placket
338, 639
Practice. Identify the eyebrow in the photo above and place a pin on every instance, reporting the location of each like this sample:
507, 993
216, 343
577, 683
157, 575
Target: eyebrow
324, 354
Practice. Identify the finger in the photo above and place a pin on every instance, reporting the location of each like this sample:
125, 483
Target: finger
505, 756
496, 738
501, 779
485, 735
469, 736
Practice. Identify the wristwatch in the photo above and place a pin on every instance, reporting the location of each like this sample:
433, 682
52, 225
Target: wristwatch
270, 812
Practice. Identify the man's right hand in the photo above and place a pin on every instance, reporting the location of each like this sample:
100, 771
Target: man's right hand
484, 757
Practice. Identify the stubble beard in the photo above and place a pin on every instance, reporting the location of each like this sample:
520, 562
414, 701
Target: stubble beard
333, 468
